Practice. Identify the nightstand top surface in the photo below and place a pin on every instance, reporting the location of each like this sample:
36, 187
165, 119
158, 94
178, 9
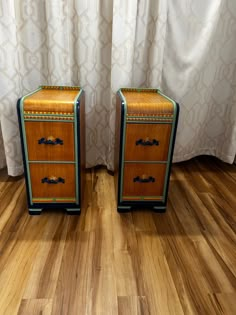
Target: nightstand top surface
49, 98
145, 102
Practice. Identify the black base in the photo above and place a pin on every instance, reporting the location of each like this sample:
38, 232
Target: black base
70, 211
124, 209
35, 211
73, 212
159, 210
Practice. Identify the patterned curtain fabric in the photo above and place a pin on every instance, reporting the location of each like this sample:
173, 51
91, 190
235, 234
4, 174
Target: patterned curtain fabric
186, 48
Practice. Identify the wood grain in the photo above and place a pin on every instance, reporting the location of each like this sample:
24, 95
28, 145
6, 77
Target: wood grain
139, 263
38, 171
48, 152
132, 170
51, 100
147, 132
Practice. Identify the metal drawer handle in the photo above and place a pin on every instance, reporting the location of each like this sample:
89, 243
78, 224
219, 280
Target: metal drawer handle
144, 179
52, 180
50, 140
147, 142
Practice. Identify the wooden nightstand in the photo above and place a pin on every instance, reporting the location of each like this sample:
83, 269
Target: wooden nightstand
52, 131
146, 125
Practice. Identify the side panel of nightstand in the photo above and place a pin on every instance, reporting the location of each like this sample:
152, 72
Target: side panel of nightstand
79, 138
125, 205
81, 146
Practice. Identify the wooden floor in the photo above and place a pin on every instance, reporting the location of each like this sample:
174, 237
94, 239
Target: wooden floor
102, 262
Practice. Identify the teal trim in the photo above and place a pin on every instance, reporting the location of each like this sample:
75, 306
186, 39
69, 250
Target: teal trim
55, 198
123, 100
138, 89
147, 162
76, 145
153, 117
148, 122
24, 141
53, 115
159, 208
53, 162
142, 197
73, 209
170, 144
59, 87
54, 120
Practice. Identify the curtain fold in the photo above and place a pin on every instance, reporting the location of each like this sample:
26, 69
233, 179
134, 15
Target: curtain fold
187, 48
199, 71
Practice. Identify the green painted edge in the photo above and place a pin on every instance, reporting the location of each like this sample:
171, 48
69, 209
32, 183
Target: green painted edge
54, 198
60, 87
138, 89
52, 162
151, 122
170, 144
24, 141
72, 209
154, 117
123, 143
54, 120
146, 162
142, 197
53, 115
76, 146
159, 207
124, 207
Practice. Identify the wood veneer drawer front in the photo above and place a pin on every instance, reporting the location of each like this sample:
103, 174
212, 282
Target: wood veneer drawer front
142, 179
44, 177
147, 142
48, 141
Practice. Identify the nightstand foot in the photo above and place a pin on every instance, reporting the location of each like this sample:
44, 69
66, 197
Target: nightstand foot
73, 211
159, 209
122, 209
35, 211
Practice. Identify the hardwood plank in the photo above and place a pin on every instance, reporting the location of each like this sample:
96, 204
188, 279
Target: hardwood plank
158, 283
135, 305
15, 271
74, 286
35, 307
44, 276
224, 303
104, 262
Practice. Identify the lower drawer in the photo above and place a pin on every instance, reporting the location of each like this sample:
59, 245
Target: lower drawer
143, 180
53, 181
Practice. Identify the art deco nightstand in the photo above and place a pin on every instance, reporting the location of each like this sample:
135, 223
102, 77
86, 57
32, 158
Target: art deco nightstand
52, 131
146, 125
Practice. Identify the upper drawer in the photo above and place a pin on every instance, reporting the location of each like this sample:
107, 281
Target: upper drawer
147, 142
50, 141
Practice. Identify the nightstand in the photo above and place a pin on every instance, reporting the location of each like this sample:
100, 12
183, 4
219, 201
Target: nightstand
146, 122
52, 129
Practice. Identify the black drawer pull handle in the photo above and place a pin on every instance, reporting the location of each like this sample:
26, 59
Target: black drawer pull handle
147, 142
144, 179
52, 180
50, 140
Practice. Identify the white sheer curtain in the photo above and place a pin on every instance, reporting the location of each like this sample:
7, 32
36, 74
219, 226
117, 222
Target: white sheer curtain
200, 72
187, 48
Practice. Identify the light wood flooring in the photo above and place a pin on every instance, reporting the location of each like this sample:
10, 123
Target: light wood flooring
139, 263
